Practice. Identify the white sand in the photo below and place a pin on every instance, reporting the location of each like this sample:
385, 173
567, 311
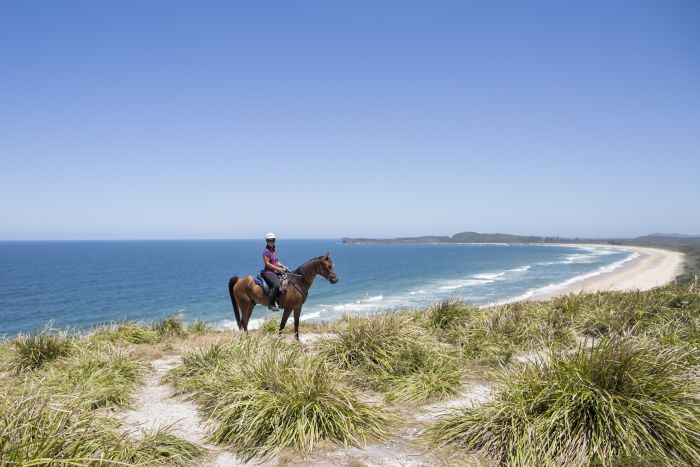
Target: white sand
653, 267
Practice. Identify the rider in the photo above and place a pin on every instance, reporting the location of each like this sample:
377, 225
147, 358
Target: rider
273, 267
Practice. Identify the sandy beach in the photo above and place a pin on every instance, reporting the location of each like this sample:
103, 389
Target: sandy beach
653, 267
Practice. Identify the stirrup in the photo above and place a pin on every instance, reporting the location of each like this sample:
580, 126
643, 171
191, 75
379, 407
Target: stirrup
273, 308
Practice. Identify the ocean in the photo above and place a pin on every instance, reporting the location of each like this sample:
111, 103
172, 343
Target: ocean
80, 284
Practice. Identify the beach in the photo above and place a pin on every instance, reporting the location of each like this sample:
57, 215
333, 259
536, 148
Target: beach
651, 268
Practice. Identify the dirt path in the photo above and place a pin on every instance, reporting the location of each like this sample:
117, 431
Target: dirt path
156, 405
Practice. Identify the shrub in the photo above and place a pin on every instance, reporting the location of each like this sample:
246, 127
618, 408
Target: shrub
128, 332
625, 398
199, 327
171, 326
266, 395
32, 351
37, 428
392, 353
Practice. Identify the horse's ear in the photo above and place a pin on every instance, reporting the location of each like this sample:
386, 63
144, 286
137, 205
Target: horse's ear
327, 255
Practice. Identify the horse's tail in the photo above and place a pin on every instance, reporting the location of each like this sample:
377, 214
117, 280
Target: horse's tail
231, 282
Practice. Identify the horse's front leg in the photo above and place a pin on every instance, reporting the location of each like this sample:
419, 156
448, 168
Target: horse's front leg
297, 314
285, 317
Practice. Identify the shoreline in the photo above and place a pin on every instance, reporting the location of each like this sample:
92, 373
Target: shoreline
652, 267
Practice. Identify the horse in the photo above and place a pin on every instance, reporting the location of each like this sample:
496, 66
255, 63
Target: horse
245, 293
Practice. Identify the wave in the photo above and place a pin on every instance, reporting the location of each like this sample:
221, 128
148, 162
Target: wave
551, 288
454, 285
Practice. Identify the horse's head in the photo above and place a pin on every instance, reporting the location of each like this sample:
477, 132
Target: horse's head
326, 269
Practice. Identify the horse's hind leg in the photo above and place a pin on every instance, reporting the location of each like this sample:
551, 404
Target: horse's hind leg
285, 317
247, 311
297, 315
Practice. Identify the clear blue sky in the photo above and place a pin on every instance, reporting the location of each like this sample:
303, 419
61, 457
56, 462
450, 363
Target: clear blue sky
146, 119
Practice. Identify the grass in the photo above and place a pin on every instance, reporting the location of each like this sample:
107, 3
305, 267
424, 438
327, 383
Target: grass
266, 395
34, 350
38, 428
104, 377
492, 336
171, 326
199, 328
392, 353
624, 398
128, 332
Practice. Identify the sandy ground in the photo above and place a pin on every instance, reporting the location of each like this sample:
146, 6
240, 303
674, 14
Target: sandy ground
653, 267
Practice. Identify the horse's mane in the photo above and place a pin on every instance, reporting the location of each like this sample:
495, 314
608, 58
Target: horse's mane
305, 269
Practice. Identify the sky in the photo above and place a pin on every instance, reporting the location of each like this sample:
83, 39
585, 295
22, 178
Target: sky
172, 119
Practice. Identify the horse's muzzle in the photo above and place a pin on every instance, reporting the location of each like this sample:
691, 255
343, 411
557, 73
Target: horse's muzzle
333, 280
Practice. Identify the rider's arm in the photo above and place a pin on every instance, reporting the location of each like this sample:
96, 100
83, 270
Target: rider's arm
272, 266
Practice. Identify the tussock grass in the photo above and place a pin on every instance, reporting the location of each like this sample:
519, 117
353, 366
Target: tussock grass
199, 328
104, 377
270, 326
128, 332
492, 336
37, 428
266, 395
623, 399
391, 352
34, 350
447, 313
171, 326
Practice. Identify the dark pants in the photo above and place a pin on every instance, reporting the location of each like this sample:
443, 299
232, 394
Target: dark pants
274, 282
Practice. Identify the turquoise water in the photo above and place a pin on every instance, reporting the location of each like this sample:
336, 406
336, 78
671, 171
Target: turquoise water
84, 283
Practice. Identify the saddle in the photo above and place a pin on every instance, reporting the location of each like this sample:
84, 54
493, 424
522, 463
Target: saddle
261, 282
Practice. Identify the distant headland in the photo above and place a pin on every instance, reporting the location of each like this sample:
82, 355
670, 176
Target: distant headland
475, 237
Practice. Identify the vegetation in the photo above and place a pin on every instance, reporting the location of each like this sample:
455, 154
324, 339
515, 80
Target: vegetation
171, 326
38, 428
627, 394
199, 327
393, 354
34, 350
625, 397
128, 332
266, 395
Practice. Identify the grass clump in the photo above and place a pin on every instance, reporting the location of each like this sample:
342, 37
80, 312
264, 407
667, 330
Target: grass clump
492, 336
38, 428
270, 326
392, 353
447, 313
104, 377
266, 395
199, 328
623, 399
171, 326
128, 332
34, 350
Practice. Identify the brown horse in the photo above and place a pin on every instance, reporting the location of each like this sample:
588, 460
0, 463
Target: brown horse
245, 293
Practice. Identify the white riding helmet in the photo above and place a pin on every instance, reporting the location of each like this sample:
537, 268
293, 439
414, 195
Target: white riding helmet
270, 236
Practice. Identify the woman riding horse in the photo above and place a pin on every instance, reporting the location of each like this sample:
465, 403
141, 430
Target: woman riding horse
245, 293
273, 267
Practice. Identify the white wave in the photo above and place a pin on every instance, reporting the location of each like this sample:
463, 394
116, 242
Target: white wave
305, 316
454, 285
551, 288
376, 298
488, 275
521, 269
229, 324
417, 292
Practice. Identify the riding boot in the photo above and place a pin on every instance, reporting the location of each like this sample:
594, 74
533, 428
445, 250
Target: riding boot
273, 297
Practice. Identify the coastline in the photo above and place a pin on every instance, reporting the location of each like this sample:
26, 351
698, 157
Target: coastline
652, 267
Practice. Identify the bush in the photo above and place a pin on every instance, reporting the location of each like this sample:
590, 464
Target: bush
199, 327
625, 398
392, 353
100, 377
171, 326
37, 428
270, 326
32, 351
266, 395
128, 332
